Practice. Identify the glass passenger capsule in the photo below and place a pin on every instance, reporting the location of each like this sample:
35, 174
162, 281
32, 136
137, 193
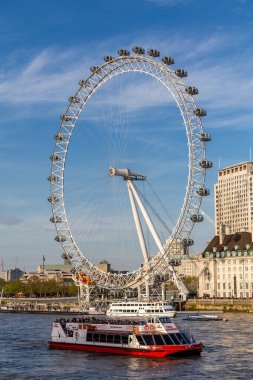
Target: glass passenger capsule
64, 256
84, 83
188, 242
60, 238
199, 112
203, 191
181, 73
53, 200
153, 53
174, 262
59, 137
205, 137
192, 90
53, 178
123, 52
95, 69
54, 157
65, 118
74, 99
108, 58
206, 164
138, 50
55, 219
168, 60
197, 218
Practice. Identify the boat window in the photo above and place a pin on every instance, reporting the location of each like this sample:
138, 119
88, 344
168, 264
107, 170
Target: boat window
124, 339
148, 340
158, 340
116, 338
174, 338
140, 339
89, 337
102, 338
181, 338
168, 340
109, 338
186, 338
165, 320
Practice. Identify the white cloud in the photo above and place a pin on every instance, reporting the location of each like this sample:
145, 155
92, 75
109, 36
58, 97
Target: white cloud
224, 83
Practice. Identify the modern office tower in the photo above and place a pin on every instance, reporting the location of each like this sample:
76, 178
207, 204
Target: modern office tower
234, 200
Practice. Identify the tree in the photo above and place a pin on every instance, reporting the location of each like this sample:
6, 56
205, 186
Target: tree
13, 288
191, 282
2, 283
170, 286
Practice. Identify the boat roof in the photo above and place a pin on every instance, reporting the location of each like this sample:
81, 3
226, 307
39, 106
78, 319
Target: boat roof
146, 303
109, 320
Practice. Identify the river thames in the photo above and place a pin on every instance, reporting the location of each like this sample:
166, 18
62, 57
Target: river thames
24, 354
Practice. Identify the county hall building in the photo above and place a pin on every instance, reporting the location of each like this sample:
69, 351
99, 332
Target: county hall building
226, 267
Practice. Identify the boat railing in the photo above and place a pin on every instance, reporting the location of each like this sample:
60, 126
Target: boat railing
98, 321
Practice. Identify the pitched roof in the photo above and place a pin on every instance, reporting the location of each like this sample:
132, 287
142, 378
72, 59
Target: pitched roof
240, 239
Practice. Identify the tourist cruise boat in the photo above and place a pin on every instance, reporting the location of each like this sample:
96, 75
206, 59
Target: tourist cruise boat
135, 309
147, 336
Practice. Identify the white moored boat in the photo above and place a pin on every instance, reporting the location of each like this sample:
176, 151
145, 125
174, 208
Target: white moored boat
138, 309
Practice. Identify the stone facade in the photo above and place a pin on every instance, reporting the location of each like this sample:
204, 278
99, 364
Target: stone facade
227, 267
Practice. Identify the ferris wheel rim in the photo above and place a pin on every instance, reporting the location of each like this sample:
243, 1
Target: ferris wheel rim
95, 81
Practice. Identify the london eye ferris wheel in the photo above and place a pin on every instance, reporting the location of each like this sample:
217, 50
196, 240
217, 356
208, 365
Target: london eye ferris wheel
110, 162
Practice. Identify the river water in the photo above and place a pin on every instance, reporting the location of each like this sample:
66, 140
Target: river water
24, 354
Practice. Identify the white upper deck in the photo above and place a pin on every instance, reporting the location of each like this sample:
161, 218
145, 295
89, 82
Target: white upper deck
141, 308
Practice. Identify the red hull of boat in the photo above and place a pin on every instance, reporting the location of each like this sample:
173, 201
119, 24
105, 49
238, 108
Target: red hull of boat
156, 351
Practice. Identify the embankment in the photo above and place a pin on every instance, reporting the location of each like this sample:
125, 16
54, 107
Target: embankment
225, 305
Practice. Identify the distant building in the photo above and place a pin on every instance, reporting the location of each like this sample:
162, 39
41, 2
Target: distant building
51, 272
189, 263
11, 274
104, 266
190, 266
234, 199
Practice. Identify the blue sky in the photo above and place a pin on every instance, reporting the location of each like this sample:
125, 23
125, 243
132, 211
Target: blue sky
47, 47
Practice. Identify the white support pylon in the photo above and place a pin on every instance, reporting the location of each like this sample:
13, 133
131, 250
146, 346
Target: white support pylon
138, 224
146, 217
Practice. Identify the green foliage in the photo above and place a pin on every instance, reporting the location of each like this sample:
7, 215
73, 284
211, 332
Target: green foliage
2, 283
13, 288
191, 282
170, 286
35, 287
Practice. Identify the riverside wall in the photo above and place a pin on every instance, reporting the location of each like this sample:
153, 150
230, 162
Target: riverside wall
225, 305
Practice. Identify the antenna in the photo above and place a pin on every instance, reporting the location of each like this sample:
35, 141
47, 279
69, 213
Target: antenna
15, 264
